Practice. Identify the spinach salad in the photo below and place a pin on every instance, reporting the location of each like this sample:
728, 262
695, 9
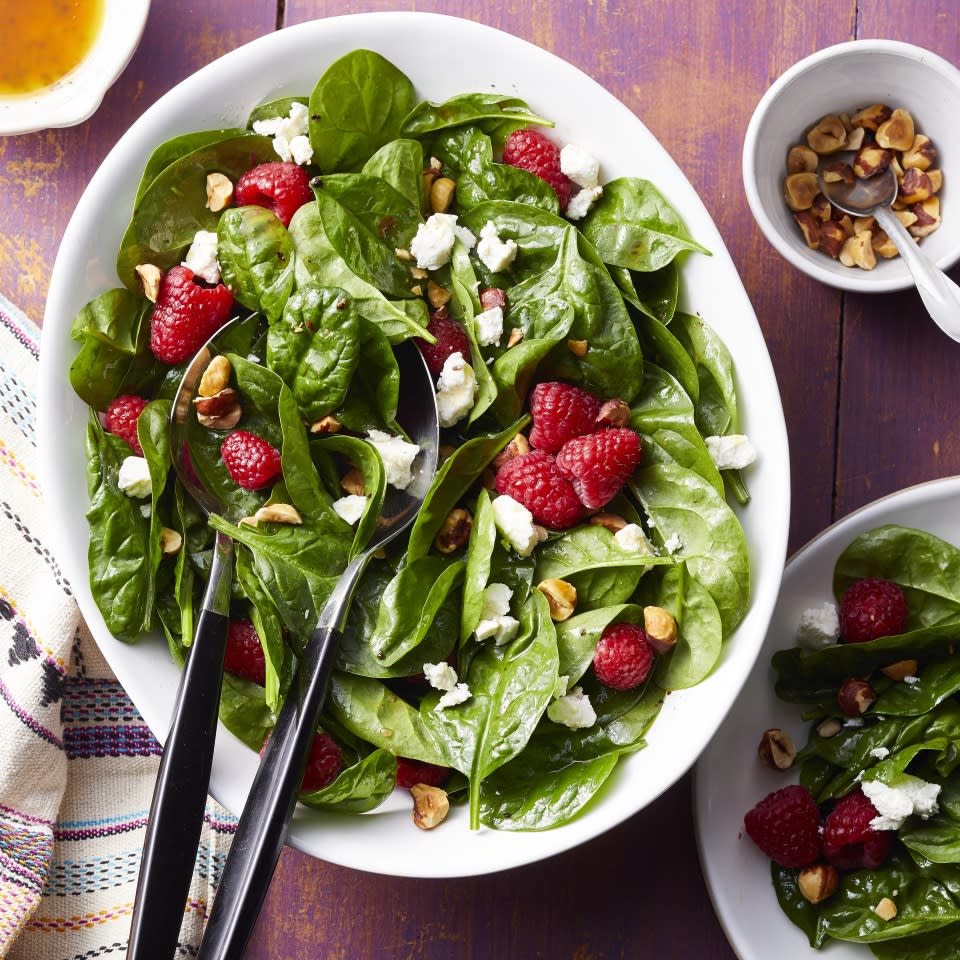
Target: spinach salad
911, 729
328, 296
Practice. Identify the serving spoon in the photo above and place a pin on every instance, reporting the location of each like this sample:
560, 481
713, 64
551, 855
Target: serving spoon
180, 794
270, 804
873, 197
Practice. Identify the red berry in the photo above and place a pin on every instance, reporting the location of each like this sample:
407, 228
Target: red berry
849, 842
785, 825
599, 464
623, 657
244, 654
410, 772
451, 338
533, 480
323, 764
870, 609
560, 412
283, 188
530, 150
122, 416
250, 460
186, 315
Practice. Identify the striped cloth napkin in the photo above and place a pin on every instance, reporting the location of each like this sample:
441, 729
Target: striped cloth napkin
77, 762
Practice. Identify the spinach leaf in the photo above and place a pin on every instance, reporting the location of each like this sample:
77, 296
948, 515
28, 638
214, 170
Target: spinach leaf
372, 711
654, 294
938, 839
266, 621
510, 688
359, 788
713, 543
561, 770
316, 260
453, 479
109, 330
798, 909
119, 551
663, 415
174, 207
273, 109
255, 254
489, 111
315, 348
357, 106
483, 538
191, 523
366, 220
244, 711
937, 682
925, 567
174, 149
374, 392
410, 602
154, 441
940, 944
400, 164
665, 350
467, 155
587, 548
633, 225
356, 653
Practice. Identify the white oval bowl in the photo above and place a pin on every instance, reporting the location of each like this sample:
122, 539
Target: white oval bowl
844, 78
76, 96
443, 56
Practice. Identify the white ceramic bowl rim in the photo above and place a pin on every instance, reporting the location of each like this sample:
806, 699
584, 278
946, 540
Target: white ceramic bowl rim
76, 96
474, 57
850, 279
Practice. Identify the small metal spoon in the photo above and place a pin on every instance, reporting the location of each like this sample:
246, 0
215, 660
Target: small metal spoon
873, 197
180, 794
270, 804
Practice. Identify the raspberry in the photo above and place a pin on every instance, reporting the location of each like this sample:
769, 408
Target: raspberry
622, 658
283, 188
871, 609
530, 150
186, 315
451, 338
598, 464
323, 764
122, 415
560, 413
244, 655
410, 772
849, 842
785, 826
251, 462
534, 480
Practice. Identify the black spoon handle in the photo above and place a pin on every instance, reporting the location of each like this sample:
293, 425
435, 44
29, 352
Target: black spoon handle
263, 826
180, 795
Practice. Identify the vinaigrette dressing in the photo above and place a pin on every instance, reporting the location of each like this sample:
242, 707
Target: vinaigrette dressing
43, 40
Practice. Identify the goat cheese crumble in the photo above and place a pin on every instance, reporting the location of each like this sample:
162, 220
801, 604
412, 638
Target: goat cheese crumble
435, 238
134, 477
495, 619
906, 796
580, 165
581, 203
495, 253
732, 452
291, 141
397, 456
489, 327
350, 508
632, 539
573, 710
441, 676
456, 390
202, 256
819, 627
515, 522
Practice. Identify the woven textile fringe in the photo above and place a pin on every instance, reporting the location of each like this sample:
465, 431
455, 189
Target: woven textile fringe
77, 762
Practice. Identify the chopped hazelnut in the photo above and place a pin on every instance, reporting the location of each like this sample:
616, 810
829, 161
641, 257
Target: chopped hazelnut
352, 481
561, 598
437, 295
660, 626
871, 160
818, 882
832, 237
837, 173
430, 805
578, 347
883, 246
857, 251
871, 117
215, 378
219, 404
609, 521
900, 669
454, 533
828, 136
613, 413
150, 280
809, 227
219, 192
225, 421
170, 542
516, 335
799, 189
326, 425
855, 696
821, 208
517, 447
776, 749
921, 153
898, 132
801, 159
886, 909
441, 194
914, 187
829, 728
278, 513
936, 180
855, 138
928, 217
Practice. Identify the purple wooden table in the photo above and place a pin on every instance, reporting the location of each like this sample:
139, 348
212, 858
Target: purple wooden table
868, 386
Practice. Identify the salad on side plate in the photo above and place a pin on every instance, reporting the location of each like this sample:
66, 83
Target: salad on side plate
866, 848
575, 558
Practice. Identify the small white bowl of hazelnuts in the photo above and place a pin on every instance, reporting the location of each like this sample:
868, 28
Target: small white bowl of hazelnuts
855, 110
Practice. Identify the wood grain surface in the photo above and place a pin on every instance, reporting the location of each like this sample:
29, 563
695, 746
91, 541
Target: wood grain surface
868, 386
